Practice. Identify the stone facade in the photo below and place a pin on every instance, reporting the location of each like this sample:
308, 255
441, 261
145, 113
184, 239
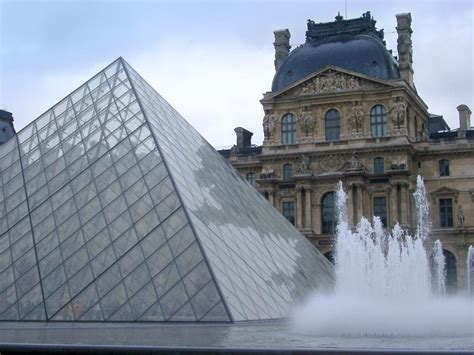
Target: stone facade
379, 144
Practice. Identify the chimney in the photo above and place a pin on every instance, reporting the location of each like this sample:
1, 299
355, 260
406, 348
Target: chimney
464, 117
404, 47
244, 137
7, 130
282, 46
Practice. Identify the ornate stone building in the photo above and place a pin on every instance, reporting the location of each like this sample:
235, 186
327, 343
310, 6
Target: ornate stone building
342, 107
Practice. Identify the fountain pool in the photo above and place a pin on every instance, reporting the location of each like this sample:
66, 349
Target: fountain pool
387, 284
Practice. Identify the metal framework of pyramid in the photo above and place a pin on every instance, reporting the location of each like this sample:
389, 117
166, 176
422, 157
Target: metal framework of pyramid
113, 208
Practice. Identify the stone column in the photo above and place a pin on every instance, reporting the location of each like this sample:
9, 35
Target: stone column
299, 207
360, 202
393, 205
307, 210
350, 204
461, 266
316, 212
362, 205
404, 208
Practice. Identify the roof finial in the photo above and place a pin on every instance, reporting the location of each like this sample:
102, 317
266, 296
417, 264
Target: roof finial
339, 17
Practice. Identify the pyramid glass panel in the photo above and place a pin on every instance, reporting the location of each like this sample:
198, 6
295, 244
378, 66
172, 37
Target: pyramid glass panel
113, 208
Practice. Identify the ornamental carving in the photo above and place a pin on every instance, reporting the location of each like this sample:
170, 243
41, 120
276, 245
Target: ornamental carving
330, 82
269, 124
332, 163
399, 113
307, 122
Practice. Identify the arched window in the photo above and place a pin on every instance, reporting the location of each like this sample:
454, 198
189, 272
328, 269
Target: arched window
443, 167
379, 167
287, 172
328, 213
451, 272
251, 177
378, 121
332, 125
288, 129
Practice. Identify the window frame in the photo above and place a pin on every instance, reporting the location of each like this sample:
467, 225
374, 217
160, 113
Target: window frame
375, 166
383, 218
332, 123
446, 216
251, 181
378, 121
443, 170
288, 209
328, 226
288, 128
287, 172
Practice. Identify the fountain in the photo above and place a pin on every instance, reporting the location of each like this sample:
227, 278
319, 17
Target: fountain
386, 284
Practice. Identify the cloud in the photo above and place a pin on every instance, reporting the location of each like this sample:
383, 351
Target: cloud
216, 87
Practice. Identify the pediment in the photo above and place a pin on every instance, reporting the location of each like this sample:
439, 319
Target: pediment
332, 80
444, 191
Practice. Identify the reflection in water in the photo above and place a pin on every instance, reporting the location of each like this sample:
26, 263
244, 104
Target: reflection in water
384, 283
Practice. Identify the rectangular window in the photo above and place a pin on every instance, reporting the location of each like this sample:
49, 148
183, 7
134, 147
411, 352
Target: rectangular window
289, 211
446, 212
380, 209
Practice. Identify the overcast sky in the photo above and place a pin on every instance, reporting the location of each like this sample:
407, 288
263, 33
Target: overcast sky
211, 60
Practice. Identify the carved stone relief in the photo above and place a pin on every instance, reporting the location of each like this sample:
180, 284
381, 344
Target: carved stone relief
399, 113
330, 81
268, 172
354, 163
332, 163
304, 167
269, 125
307, 122
357, 119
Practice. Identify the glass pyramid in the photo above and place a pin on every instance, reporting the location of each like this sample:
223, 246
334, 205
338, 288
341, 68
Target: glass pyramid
113, 208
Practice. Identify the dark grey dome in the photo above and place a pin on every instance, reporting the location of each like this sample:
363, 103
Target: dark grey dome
360, 53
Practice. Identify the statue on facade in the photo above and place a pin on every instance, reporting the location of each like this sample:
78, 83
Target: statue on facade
307, 122
399, 112
357, 117
305, 165
268, 124
460, 216
355, 163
